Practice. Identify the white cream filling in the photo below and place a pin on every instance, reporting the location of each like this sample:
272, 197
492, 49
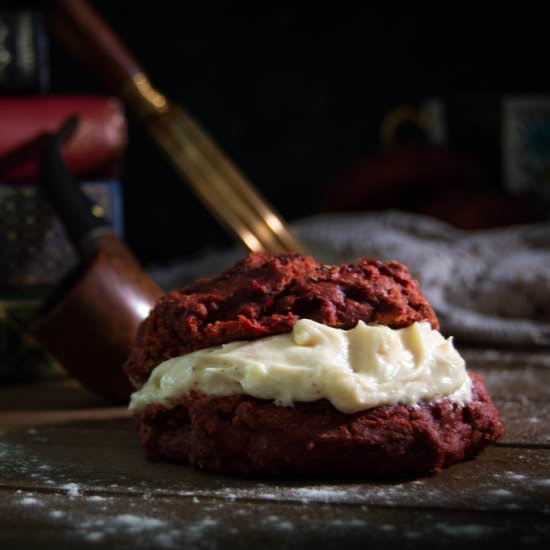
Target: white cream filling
354, 369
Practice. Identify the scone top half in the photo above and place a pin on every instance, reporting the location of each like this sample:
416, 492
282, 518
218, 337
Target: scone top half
265, 294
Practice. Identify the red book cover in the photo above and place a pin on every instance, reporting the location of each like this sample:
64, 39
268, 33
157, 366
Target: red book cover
94, 152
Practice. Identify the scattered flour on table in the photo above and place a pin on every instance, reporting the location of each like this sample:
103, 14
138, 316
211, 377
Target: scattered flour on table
94, 536
317, 494
195, 531
502, 493
72, 489
29, 501
96, 498
169, 539
516, 477
347, 523
276, 522
138, 523
96, 529
470, 531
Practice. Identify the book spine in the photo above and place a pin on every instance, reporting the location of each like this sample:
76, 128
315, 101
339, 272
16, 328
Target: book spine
95, 151
24, 59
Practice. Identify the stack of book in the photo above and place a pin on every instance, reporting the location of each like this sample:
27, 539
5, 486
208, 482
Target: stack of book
35, 253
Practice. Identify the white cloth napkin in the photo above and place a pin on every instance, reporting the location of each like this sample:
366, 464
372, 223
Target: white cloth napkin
486, 286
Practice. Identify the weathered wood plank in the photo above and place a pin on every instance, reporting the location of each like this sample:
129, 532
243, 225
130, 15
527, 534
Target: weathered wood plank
58, 394
509, 358
526, 422
31, 520
109, 462
514, 383
512, 375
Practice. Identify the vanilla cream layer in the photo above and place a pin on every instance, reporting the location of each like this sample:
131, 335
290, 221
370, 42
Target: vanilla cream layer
354, 369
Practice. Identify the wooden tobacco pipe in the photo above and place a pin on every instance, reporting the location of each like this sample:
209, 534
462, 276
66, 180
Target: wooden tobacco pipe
91, 319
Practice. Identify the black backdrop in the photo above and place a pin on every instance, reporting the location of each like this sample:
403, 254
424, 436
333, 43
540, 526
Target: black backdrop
294, 92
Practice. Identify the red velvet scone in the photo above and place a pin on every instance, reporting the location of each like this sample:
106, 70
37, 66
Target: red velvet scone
237, 433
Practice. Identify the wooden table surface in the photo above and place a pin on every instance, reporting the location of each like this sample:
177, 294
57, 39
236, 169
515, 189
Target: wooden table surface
72, 475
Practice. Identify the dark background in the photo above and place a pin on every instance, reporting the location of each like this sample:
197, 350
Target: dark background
295, 93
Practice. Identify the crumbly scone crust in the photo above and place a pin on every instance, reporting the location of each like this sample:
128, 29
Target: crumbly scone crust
267, 294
